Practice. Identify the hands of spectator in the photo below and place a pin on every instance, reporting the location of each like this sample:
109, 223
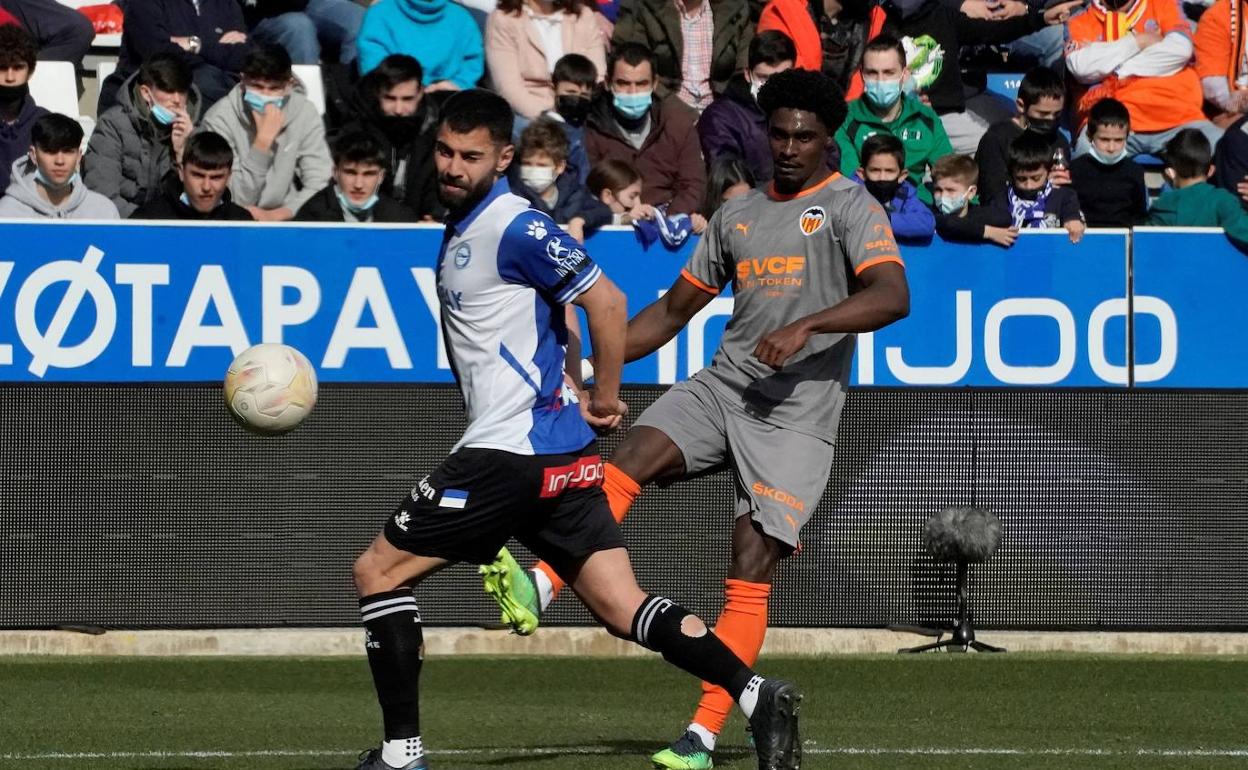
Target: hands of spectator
442, 85
1060, 13
1001, 236
271, 215
924, 98
641, 211
1060, 176
182, 42
1075, 228
1242, 189
1146, 39
1239, 101
576, 229
976, 9
698, 222
179, 132
233, 38
268, 126
1009, 9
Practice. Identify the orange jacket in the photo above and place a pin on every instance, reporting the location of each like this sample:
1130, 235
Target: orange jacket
792, 17
1218, 45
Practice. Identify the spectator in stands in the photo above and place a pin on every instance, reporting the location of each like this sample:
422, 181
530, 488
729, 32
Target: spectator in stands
1110, 185
394, 108
138, 140
829, 35
697, 45
618, 185
1138, 52
1192, 201
885, 107
209, 35
1041, 100
1230, 160
18, 111
46, 182
734, 126
884, 174
200, 188
542, 176
440, 33
727, 178
1031, 200
1220, 62
61, 33
958, 217
657, 137
302, 26
276, 135
355, 194
574, 78
524, 39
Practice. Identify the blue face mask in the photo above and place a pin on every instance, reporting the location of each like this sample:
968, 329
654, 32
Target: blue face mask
882, 93
257, 102
633, 106
355, 208
1109, 160
948, 205
48, 183
162, 115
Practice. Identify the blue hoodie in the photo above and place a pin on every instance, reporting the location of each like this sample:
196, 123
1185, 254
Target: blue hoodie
911, 219
440, 34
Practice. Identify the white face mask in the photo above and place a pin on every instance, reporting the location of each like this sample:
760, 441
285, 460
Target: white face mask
537, 178
755, 87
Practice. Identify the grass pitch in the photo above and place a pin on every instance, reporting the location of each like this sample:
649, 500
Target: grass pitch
938, 711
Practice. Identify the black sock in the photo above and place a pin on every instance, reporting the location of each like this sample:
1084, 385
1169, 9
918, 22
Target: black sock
657, 626
396, 649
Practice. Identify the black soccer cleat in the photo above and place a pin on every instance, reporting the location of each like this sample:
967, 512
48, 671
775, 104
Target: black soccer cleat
774, 726
371, 760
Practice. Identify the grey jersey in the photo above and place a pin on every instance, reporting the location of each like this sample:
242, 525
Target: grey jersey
789, 258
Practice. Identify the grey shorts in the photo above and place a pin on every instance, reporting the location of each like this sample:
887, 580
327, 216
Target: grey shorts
780, 474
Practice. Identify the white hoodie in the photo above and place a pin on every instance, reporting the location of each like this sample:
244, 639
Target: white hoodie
23, 201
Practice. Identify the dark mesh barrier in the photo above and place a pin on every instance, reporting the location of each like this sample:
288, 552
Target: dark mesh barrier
146, 506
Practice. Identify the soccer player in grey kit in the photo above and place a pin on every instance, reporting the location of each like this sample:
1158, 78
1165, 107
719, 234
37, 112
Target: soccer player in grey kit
812, 261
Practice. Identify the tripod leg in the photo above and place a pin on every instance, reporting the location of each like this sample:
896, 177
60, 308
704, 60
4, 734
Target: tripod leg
984, 647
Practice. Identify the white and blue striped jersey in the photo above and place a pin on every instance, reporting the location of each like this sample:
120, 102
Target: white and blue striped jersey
504, 274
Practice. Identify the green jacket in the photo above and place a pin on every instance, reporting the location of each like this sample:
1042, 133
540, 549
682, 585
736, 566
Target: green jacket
1202, 205
917, 126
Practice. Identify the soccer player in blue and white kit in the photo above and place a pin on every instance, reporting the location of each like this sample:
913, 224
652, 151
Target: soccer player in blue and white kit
527, 465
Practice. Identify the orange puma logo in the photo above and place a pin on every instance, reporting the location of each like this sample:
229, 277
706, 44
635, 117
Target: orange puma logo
744, 228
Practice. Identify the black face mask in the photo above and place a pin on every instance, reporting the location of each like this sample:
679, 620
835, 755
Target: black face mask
12, 94
1028, 195
1042, 126
574, 109
400, 129
883, 191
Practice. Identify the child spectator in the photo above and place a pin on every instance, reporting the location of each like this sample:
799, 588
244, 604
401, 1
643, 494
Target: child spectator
1192, 201
1041, 99
355, 195
883, 172
18, 112
200, 189
618, 185
544, 179
1110, 185
574, 78
1032, 201
727, 178
46, 183
958, 217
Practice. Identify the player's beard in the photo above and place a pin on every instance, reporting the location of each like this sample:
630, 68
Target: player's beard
462, 200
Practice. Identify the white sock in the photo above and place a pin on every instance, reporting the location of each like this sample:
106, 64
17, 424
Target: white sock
401, 751
545, 589
707, 737
749, 696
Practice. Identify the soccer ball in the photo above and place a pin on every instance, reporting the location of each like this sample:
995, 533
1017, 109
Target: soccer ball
270, 387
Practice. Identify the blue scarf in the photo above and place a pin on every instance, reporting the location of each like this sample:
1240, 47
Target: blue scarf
1029, 214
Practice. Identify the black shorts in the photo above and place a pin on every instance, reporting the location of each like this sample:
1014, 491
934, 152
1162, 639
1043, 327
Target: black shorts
477, 499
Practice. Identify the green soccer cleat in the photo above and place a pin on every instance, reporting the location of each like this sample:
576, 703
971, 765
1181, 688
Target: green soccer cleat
510, 585
686, 753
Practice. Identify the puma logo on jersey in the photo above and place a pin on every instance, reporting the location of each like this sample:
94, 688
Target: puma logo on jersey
744, 228
812, 219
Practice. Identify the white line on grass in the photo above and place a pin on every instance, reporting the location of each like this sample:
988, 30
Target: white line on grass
608, 750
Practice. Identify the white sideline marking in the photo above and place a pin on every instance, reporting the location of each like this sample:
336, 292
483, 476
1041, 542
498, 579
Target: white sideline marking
605, 751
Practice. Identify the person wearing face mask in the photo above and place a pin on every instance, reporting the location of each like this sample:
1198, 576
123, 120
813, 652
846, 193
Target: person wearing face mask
276, 134
18, 111
884, 176
355, 195
1110, 185
1031, 201
140, 139
575, 79
46, 184
959, 218
734, 125
657, 137
885, 107
1041, 101
544, 179
199, 190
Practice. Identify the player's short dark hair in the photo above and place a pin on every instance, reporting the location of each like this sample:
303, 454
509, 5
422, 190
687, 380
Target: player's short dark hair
885, 42
1029, 152
611, 174
1040, 83
393, 70
208, 150
546, 136
358, 147
267, 61
17, 47
771, 47
1108, 112
724, 173
807, 91
960, 167
55, 132
166, 72
1188, 154
631, 54
576, 69
882, 144
475, 108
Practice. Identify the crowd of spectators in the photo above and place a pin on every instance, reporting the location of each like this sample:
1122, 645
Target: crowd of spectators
641, 111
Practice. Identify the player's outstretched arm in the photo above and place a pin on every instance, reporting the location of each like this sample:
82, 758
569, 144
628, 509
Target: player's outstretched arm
663, 319
884, 298
606, 310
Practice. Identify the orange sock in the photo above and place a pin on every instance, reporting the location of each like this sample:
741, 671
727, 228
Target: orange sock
741, 626
621, 491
